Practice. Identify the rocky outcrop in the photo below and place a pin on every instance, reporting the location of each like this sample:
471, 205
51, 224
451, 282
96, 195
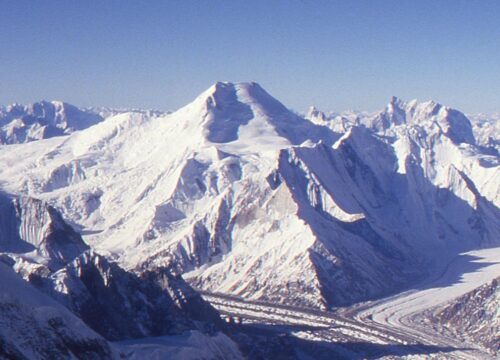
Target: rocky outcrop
473, 317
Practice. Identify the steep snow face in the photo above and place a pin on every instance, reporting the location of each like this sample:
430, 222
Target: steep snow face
244, 196
244, 111
33, 326
41, 120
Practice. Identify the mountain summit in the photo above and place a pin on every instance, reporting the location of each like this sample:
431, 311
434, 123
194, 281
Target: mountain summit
243, 196
246, 112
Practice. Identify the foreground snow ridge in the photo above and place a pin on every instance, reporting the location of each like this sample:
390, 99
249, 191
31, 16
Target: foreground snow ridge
244, 197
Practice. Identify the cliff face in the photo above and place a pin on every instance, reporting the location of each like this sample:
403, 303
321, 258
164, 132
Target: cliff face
41, 247
241, 195
32, 226
121, 305
34, 326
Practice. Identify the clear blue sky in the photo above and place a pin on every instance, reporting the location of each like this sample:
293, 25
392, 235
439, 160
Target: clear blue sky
335, 54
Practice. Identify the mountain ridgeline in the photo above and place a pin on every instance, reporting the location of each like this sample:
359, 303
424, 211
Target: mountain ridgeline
236, 194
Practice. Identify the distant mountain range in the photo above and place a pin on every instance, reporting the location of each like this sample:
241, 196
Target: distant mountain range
236, 194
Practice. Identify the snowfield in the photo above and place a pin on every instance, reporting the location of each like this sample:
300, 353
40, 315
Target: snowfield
329, 234
213, 188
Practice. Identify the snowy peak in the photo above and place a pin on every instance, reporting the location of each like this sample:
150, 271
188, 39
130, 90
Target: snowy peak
41, 120
486, 128
226, 111
400, 115
400, 112
223, 94
245, 111
457, 127
245, 92
316, 116
215, 188
451, 122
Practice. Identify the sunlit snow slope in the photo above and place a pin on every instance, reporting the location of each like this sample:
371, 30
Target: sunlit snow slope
246, 197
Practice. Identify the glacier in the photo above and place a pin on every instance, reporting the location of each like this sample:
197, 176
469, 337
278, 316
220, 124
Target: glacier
238, 195
243, 196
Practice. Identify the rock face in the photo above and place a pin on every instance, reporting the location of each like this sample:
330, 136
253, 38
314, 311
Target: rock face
120, 305
51, 256
31, 226
474, 317
33, 326
42, 120
243, 196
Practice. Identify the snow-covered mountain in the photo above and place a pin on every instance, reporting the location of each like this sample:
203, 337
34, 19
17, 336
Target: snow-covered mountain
398, 114
485, 127
487, 130
243, 196
117, 304
103, 298
35, 326
42, 120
